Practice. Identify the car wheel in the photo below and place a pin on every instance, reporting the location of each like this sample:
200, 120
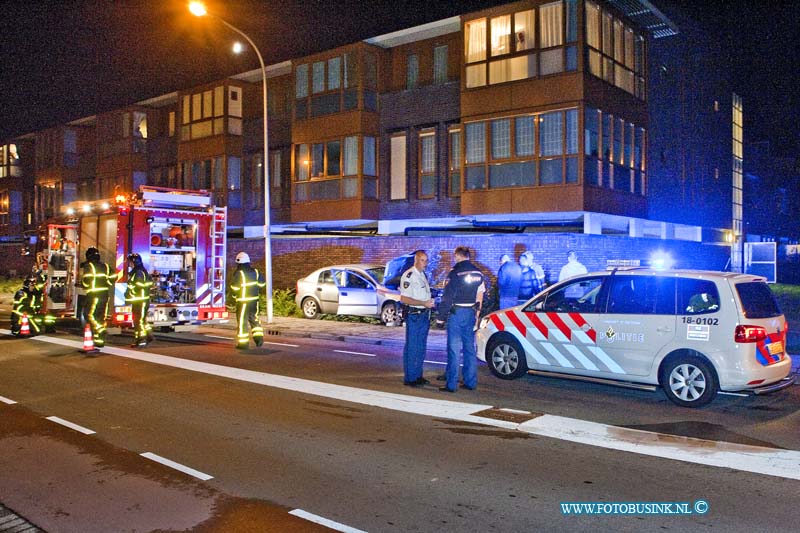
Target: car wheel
506, 358
689, 381
310, 308
390, 314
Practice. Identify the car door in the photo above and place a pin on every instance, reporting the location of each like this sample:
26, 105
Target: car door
327, 292
639, 321
357, 296
557, 328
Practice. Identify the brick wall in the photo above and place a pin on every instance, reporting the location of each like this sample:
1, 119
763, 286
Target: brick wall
15, 264
293, 258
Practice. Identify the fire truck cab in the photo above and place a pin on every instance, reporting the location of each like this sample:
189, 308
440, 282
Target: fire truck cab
180, 236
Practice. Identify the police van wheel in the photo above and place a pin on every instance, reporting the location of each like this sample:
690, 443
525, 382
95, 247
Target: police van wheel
689, 381
390, 314
506, 358
310, 308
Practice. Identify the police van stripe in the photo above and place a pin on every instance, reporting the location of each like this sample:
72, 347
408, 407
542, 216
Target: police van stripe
560, 359
533, 330
606, 360
582, 359
537, 322
557, 322
580, 322
517, 323
523, 340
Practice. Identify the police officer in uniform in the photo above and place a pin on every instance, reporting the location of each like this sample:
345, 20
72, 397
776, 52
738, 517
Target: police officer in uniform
246, 285
97, 280
24, 305
415, 293
459, 307
138, 295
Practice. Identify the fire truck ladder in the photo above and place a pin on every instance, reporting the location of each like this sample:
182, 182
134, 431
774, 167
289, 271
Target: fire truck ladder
218, 256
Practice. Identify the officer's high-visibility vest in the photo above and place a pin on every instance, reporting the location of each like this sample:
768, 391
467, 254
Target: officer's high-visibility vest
97, 278
139, 284
246, 285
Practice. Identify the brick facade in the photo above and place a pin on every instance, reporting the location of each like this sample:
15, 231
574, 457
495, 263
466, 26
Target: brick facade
293, 258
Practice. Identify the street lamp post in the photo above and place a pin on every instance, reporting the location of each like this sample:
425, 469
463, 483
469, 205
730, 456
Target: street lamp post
199, 10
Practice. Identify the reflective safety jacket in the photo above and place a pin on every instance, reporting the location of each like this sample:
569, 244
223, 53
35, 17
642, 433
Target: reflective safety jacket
22, 300
37, 290
139, 285
247, 282
97, 278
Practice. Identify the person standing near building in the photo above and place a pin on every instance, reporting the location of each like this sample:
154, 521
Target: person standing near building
460, 306
97, 280
138, 296
509, 278
572, 268
526, 277
246, 286
415, 292
538, 274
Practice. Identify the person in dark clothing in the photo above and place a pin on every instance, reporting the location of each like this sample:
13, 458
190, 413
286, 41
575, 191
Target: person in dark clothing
459, 307
246, 286
97, 280
24, 305
138, 296
509, 278
526, 278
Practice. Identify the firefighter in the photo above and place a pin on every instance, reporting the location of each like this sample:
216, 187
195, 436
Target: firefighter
97, 280
23, 305
246, 285
38, 281
138, 296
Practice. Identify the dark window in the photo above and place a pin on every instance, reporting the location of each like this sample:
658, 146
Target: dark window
698, 296
580, 295
757, 300
642, 295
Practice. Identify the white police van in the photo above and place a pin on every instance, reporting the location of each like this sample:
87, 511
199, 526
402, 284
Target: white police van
693, 333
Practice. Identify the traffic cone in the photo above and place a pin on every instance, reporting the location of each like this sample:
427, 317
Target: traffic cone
88, 340
25, 327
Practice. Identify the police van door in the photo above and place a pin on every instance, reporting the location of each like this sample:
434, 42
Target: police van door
560, 328
357, 296
639, 321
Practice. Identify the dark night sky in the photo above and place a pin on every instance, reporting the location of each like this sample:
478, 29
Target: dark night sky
63, 60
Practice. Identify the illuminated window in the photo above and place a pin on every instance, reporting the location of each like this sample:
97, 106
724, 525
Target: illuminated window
427, 164
398, 177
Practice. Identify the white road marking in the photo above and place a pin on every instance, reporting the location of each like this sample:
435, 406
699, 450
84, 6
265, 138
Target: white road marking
282, 344
324, 521
177, 466
435, 362
756, 459
733, 394
7, 400
220, 337
67, 423
357, 353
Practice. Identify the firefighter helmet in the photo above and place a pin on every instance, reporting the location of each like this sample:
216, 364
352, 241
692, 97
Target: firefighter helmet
136, 259
93, 254
28, 283
242, 258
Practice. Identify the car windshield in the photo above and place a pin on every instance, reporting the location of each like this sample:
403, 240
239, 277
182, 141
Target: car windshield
757, 300
377, 273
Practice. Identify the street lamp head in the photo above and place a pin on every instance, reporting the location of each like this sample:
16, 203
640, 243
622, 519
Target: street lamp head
238, 47
198, 9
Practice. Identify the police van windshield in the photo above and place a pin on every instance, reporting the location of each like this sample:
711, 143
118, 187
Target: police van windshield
757, 300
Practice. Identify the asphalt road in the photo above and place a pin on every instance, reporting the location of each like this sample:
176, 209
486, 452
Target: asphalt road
283, 445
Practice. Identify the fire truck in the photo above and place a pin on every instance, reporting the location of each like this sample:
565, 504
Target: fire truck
180, 236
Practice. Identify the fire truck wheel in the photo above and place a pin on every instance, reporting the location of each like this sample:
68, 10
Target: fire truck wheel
505, 357
310, 308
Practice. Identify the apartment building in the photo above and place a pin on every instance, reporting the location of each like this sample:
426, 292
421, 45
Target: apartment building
528, 116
